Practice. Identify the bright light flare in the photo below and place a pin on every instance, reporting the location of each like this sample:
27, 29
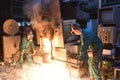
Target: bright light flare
45, 46
51, 71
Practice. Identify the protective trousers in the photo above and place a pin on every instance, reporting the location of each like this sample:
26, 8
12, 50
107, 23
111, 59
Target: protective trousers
29, 59
93, 68
93, 63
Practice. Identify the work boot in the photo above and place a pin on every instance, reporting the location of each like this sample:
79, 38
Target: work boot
20, 65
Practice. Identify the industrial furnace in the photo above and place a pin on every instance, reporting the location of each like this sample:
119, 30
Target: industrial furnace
46, 21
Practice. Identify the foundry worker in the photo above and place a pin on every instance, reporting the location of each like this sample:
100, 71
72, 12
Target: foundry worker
26, 46
89, 41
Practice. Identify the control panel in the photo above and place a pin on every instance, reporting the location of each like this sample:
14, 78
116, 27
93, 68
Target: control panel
107, 34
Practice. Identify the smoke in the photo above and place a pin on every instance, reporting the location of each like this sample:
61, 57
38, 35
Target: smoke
44, 16
38, 10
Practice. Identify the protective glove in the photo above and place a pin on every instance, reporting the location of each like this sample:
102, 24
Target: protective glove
22, 52
34, 52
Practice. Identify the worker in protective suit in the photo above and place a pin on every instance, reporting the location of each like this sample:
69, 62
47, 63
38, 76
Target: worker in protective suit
89, 41
26, 43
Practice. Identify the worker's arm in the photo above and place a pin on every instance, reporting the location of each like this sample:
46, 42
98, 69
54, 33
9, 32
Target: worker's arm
33, 48
85, 42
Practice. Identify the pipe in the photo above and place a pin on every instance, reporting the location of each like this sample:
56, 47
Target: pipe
100, 3
68, 66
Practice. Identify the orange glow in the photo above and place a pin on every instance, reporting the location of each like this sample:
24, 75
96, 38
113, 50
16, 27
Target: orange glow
55, 70
45, 45
51, 71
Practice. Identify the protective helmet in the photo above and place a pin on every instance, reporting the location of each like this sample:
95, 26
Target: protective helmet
76, 24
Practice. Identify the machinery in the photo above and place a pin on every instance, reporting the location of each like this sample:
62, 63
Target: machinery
10, 27
11, 39
109, 32
109, 23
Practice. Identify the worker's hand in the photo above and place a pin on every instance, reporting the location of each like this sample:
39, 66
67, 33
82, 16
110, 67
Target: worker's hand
22, 52
34, 51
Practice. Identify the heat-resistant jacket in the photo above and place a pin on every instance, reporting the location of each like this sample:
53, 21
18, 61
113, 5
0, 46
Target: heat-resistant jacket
90, 40
26, 44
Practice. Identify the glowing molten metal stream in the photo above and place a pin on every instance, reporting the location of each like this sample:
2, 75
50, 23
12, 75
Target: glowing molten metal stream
47, 45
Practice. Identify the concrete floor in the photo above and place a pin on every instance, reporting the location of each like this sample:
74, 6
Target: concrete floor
55, 70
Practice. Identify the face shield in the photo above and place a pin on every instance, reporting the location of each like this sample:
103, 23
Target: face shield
75, 29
